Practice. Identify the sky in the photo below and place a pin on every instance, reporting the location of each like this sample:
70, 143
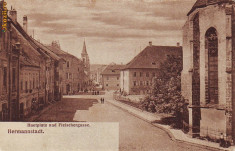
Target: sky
114, 30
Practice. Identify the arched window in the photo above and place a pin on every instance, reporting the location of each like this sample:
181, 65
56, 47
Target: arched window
211, 46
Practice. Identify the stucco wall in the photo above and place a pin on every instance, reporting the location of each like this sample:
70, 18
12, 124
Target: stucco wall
215, 16
213, 122
111, 82
128, 83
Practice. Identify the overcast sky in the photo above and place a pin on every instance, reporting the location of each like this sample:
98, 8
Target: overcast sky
114, 30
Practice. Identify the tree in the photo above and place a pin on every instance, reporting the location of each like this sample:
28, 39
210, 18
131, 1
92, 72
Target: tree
166, 91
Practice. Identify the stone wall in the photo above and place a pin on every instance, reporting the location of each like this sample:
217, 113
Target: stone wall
221, 21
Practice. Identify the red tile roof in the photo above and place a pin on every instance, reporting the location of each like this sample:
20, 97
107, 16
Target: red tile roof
152, 56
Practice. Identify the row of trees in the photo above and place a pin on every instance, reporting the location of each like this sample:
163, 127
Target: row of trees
166, 92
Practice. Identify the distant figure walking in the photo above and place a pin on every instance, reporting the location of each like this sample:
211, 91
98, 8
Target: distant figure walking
101, 100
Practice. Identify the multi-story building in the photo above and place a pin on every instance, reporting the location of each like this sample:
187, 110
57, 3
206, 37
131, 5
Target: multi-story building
74, 76
136, 77
26, 75
111, 77
95, 73
4, 73
208, 68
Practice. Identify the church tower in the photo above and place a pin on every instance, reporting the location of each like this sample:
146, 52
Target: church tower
85, 59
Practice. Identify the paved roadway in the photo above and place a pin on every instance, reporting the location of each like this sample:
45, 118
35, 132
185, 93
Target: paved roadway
135, 134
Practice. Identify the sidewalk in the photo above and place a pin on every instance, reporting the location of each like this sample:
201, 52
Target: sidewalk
176, 135
34, 117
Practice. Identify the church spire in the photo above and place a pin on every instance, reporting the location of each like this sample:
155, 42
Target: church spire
85, 59
84, 48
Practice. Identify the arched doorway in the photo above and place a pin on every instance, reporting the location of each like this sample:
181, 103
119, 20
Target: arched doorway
211, 45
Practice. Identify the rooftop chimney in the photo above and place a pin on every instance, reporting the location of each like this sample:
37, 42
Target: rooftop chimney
13, 15
150, 43
178, 44
25, 23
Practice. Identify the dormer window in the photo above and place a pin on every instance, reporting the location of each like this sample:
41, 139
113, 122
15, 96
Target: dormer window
153, 63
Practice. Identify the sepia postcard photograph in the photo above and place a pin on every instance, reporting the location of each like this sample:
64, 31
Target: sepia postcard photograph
117, 75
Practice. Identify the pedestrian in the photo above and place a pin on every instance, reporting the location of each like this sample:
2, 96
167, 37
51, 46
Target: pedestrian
222, 142
101, 100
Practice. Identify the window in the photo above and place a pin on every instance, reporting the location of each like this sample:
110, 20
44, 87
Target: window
118, 85
134, 74
5, 77
30, 84
21, 85
107, 85
37, 83
147, 74
140, 74
117, 78
141, 83
68, 64
33, 83
14, 78
26, 85
78, 69
134, 83
147, 83
67, 75
211, 45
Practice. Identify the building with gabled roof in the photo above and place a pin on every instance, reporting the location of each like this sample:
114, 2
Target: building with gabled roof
75, 77
95, 73
31, 72
137, 75
111, 77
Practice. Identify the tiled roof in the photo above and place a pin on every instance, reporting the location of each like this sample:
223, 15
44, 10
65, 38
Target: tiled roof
47, 50
31, 42
204, 3
112, 69
152, 56
57, 50
28, 63
61, 53
95, 67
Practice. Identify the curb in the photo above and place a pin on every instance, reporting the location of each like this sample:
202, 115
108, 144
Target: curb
172, 137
